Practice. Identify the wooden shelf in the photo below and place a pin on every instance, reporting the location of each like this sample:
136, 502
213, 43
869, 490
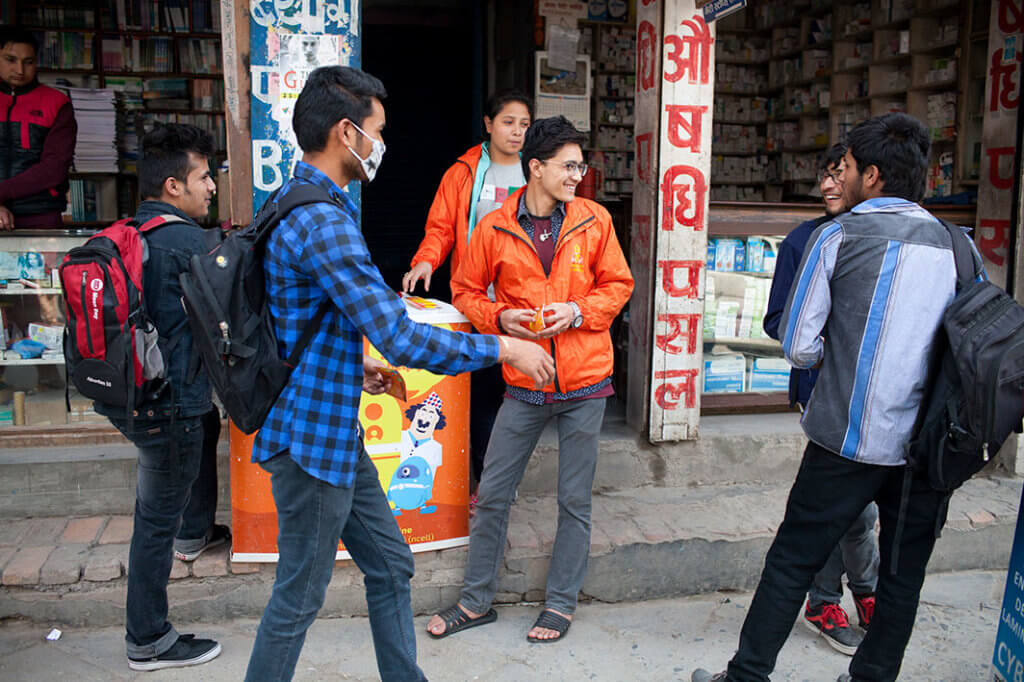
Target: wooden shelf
616, 125
932, 87
892, 59
31, 292
729, 121
32, 361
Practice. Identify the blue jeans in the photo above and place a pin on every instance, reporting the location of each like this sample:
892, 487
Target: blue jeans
171, 495
856, 555
311, 516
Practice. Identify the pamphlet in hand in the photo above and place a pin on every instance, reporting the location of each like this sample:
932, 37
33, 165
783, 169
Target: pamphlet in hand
396, 387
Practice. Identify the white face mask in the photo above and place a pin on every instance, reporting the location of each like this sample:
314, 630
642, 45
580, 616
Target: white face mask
372, 162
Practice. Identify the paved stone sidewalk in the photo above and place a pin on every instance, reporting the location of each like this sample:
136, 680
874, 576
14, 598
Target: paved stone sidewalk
657, 640
647, 543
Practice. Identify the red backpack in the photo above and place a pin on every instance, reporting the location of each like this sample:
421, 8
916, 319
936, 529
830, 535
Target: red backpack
110, 343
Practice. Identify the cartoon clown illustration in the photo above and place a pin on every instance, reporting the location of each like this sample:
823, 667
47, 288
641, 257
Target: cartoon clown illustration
413, 483
424, 418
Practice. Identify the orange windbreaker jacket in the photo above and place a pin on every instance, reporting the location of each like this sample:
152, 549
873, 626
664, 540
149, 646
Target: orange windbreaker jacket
450, 208
588, 267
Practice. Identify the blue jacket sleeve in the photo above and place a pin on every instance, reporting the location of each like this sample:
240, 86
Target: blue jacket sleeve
339, 261
786, 264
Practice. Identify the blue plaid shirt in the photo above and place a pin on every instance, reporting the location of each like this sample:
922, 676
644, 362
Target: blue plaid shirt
318, 252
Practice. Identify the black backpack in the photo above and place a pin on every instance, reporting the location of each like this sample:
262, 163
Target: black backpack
975, 396
227, 309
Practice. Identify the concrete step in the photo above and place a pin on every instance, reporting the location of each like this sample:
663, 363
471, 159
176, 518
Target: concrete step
64, 478
647, 543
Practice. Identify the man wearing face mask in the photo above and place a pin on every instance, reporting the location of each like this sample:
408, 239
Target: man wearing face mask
324, 484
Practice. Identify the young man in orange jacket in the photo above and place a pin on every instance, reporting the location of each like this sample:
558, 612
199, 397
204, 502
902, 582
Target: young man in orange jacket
559, 280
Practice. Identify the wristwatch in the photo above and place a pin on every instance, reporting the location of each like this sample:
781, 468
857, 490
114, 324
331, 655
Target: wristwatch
577, 319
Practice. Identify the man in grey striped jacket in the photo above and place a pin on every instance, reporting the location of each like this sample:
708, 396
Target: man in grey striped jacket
865, 308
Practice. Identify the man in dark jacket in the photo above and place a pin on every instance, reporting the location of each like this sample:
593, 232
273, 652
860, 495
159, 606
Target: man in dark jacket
857, 551
177, 432
37, 142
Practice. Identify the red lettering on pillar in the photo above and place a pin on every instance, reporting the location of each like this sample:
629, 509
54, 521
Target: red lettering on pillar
675, 324
646, 44
644, 152
684, 125
993, 239
998, 180
668, 277
683, 385
1004, 82
690, 55
1010, 17
690, 211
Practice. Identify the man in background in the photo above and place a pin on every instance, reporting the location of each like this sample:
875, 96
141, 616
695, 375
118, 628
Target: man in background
38, 138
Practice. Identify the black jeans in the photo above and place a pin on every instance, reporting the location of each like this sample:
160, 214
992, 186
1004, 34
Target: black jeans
830, 491
177, 479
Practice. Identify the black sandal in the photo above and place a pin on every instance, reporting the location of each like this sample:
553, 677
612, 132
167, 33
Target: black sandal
549, 620
455, 619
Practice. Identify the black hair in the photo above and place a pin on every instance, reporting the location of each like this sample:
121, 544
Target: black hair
331, 94
410, 414
16, 34
497, 101
897, 145
545, 137
165, 155
833, 157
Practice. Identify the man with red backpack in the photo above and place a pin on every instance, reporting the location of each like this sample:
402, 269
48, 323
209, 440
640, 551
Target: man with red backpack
176, 430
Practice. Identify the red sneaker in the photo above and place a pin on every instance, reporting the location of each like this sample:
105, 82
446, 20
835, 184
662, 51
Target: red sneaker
865, 608
831, 622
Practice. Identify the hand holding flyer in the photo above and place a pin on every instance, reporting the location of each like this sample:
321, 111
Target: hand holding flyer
394, 381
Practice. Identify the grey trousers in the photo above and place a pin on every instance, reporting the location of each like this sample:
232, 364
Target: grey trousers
516, 431
857, 555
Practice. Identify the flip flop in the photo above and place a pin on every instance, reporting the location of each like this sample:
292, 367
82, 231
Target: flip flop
550, 620
455, 619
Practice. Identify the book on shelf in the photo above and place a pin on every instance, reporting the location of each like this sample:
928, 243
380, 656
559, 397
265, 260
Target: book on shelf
57, 17
65, 50
200, 55
96, 115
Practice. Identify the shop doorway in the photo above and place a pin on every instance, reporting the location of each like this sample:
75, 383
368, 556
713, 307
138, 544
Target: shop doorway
425, 57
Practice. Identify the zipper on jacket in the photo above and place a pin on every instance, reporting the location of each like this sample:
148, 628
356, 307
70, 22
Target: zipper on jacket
9, 141
565, 235
554, 360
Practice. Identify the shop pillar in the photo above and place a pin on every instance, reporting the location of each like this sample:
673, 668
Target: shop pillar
674, 105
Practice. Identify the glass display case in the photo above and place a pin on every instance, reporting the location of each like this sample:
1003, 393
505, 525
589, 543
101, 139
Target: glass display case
33, 376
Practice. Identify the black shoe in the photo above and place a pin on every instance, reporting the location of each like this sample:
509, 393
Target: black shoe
834, 625
186, 651
702, 675
216, 537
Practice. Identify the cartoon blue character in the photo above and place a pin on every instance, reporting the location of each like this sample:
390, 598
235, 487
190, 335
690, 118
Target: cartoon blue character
411, 486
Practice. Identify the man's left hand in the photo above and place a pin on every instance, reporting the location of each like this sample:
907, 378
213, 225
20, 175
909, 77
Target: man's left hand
557, 318
374, 382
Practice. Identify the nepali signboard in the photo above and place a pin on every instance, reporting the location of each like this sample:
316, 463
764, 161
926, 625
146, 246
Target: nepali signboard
1008, 656
998, 132
678, 162
287, 40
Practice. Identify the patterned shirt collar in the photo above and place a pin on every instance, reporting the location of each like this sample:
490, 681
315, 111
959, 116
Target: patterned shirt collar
523, 217
304, 171
884, 204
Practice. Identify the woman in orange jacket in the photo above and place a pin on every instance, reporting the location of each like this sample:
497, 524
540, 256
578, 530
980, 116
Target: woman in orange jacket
476, 184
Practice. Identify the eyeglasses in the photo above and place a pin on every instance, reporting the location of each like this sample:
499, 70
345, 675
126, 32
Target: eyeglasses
836, 175
572, 168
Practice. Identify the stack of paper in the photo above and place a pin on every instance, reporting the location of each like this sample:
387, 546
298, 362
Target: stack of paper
96, 114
